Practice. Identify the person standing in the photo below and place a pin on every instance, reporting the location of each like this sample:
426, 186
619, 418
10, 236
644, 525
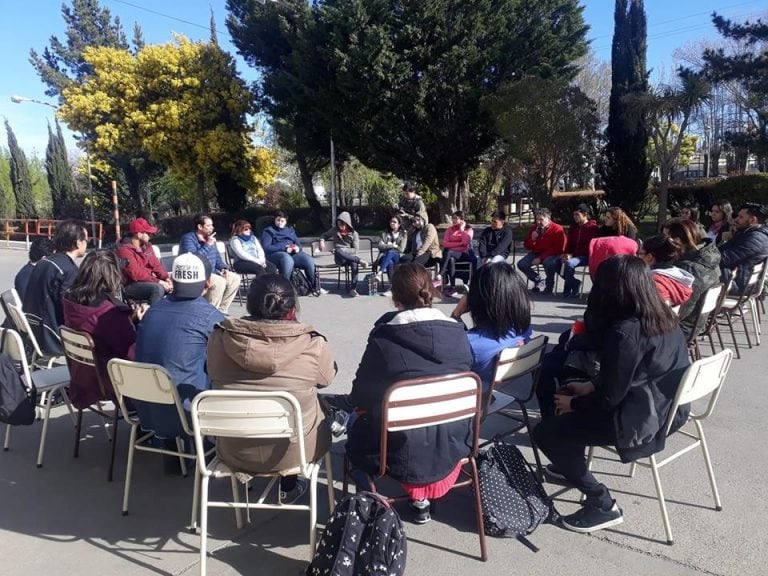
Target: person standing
580, 234
144, 278
546, 241
224, 282
496, 240
49, 280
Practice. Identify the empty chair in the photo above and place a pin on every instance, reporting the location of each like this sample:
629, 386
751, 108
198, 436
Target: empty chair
47, 383
254, 415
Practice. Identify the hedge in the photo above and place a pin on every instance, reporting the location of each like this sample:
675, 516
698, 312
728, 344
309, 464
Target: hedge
737, 190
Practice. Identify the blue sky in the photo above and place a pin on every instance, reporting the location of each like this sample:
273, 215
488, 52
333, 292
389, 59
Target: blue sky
29, 24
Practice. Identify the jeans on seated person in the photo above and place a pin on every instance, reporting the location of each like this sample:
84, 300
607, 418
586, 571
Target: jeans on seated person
388, 261
149, 292
352, 261
569, 269
286, 262
249, 267
551, 266
425, 259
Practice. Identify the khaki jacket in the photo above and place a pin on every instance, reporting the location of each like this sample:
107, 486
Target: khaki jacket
430, 242
248, 354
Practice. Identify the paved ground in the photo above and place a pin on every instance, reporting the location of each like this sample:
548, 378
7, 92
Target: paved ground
65, 518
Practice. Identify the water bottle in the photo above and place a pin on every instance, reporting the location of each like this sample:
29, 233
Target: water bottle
373, 285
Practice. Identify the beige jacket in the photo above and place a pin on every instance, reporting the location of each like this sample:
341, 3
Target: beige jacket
247, 354
430, 242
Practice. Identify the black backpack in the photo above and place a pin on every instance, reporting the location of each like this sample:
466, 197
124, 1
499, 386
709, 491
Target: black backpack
300, 283
364, 537
17, 402
514, 501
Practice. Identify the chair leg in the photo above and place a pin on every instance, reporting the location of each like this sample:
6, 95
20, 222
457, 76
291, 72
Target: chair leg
236, 500
708, 462
195, 500
755, 321
733, 334
527, 420
44, 432
632, 468
711, 343
129, 467
78, 428
7, 441
719, 336
345, 479
329, 480
203, 524
111, 473
478, 510
313, 511
662, 502
182, 460
746, 328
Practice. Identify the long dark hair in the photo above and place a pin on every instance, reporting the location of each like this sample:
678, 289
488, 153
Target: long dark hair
498, 300
624, 289
684, 232
271, 297
412, 286
663, 249
99, 276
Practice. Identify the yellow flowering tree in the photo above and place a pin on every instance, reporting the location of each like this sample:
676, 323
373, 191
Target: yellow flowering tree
182, 104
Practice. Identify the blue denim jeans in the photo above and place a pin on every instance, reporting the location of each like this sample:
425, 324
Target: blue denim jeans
569, 270
388, 261
286, 262
551, 267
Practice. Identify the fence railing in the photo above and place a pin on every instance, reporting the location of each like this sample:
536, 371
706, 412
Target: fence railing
26, 230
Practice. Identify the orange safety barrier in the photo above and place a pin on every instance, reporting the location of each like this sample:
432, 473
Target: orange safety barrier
32, 228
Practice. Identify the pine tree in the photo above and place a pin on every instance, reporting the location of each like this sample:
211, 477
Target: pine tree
20, 178
626, 169
60, 179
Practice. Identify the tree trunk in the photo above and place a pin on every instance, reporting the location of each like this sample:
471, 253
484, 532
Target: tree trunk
133, 181
204, 206
318, 216
714, 163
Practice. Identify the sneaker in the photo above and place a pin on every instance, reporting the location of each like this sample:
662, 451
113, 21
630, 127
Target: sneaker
591, 518
321, 291
538, 286
352, 293
437, 282
339, 419
291, 496
421, 511
388, 293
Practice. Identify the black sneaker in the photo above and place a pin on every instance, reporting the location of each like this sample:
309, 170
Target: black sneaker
293, 494
591, 518
421, 511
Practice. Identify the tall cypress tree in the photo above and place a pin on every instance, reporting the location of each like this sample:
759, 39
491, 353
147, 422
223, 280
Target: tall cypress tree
20, 178
626, 168
60, 179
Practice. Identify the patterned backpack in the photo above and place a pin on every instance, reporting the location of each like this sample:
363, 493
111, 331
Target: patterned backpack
363, 537
514, 501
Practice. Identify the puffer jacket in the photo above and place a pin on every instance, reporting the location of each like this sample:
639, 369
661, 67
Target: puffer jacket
349, 242
403, 345
704, 263
249, 354
747, 248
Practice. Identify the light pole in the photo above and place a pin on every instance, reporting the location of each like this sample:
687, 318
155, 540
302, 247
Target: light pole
16, 99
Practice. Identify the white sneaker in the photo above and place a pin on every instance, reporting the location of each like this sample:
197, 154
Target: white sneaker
380, 276
388, 293
322, 291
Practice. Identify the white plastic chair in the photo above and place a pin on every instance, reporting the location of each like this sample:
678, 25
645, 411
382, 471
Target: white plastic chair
512, 364
157, 252
746, 302
704, 378
255, 415
149, 383
175, 250
46, 381
20, 320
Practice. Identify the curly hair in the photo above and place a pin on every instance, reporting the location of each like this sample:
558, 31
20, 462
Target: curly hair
621, 221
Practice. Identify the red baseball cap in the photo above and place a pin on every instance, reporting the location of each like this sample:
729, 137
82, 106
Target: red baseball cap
141, 225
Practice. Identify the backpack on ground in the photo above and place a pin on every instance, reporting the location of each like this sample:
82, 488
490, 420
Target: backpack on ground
17, 402
514, 501
363, 537
300, 282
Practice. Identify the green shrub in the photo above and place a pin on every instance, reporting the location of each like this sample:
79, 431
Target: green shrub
737, 190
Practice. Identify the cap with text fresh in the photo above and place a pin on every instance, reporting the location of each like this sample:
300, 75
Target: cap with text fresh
141, 225
189, 273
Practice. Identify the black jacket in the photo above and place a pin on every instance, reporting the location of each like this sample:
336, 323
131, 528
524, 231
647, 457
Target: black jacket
495, 242
638, 380
704, 263
746, 248
403, 345
42, 302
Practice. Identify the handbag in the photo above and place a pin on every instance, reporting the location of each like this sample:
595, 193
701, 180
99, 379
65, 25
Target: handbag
513, 500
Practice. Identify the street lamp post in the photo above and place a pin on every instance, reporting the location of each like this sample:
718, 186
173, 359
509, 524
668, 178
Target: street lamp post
20, 100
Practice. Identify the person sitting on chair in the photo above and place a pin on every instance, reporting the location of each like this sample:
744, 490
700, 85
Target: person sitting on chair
580, 234
496, 241
423, 245
391, 246
283, 249
144, 278
748, 247
414, 341
39, 248
674, 284
346, 243
271, 350
643, 356
248, 254
546, 241
457, 247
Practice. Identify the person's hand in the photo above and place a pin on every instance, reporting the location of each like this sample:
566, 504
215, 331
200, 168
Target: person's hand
580, 388
565, 257
211, 240
139, 311
461, 308
535, 261
534, 235
563, 403
223, 272
167, 285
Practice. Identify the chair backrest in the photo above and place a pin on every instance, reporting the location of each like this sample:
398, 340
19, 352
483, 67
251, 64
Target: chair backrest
10, 297
157, 252
12, 346
755, 283
78, 346
21, 322
703, 378
175, 250
247, 414
222, 248
707, 309
512, 363
422, 402
146, 383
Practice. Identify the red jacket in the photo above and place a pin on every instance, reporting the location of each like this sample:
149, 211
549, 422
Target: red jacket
457, 239
551, 243
579, 238
141, 263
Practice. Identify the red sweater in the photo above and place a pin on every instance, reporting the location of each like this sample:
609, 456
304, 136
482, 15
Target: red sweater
457, 239
579, 238
141, 264
551, 243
